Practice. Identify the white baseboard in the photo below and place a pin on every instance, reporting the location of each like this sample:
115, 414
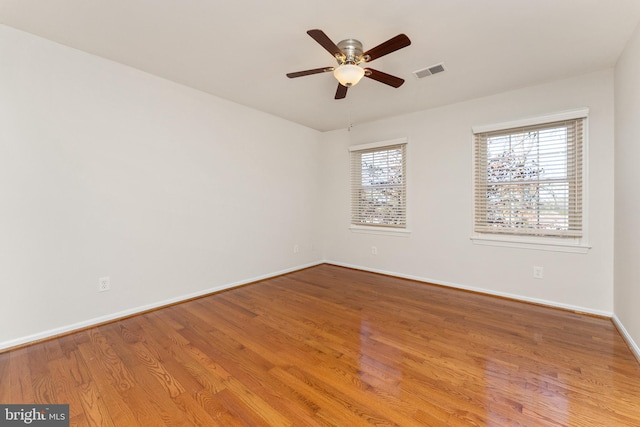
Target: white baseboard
627, 337
141, 309
548, 303
553, 304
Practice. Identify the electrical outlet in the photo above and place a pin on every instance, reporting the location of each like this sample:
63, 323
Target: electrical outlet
104, 284
538, 272
374, 250
296, 249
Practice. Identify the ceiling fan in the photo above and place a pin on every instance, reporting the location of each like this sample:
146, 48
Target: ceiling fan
349, 55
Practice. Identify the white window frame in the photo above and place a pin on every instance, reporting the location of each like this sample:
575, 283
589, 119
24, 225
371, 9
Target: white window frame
378, 229
557, 244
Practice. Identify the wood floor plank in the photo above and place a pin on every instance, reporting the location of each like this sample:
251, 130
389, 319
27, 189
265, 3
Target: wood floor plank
100, 392
20, 383
330, 346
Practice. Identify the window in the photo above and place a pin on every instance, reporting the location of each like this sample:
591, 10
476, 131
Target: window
378, 188
529, 178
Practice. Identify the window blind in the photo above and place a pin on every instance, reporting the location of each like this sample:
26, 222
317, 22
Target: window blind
378, 190
528, 180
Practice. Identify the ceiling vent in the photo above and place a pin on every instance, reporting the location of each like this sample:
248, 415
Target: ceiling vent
429, 71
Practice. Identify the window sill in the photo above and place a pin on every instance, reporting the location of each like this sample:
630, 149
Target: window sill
576, 246
385, 231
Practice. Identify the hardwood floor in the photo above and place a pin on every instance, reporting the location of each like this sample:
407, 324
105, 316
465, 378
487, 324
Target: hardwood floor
338, 347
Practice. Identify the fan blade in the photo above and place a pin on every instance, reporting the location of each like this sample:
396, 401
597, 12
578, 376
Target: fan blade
385, 78
309, 72
325, 42
341, 92
391, 45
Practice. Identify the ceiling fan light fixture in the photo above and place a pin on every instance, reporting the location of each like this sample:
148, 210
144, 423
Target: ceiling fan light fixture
348, 74
349, 55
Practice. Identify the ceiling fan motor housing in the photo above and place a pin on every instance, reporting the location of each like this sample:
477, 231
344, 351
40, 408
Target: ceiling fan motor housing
352, 49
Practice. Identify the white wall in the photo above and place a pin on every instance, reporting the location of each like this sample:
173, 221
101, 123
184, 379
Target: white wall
440, 200
627, 195
108, 171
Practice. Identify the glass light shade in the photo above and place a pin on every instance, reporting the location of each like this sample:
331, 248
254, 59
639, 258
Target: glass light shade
348, 74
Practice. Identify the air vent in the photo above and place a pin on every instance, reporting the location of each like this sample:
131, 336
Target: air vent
429, 71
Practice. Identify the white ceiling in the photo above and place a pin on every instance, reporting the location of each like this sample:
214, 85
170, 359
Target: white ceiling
241, 50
